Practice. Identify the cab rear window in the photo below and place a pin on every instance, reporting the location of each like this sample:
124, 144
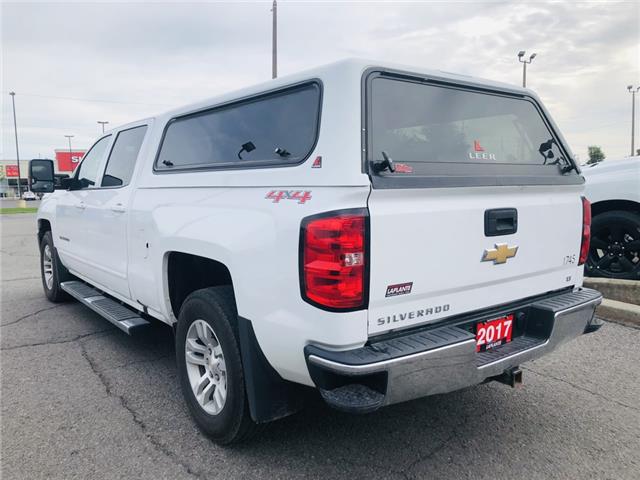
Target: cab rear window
420, 123
274, 129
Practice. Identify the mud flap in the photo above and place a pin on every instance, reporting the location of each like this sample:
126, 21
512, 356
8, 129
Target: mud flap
270, 396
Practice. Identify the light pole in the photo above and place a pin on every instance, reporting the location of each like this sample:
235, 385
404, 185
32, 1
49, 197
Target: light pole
633, 116
524, 62
103, 123
274, 40
69, 137
15, 129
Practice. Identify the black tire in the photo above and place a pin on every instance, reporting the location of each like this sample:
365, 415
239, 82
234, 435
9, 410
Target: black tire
615, 246
216, 306
59, 273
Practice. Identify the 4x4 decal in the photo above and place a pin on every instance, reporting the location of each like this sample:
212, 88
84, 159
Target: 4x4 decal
299, 195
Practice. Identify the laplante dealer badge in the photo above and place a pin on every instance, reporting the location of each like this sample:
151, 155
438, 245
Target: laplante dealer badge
399, 289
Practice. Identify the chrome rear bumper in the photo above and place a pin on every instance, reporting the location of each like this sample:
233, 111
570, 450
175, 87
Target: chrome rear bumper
444, 359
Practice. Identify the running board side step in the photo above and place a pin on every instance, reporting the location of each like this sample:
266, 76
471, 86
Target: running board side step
125, 318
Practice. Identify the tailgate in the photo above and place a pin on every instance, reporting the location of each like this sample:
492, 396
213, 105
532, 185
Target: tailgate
427, 249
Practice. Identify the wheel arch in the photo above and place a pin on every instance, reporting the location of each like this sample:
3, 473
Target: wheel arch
186, 272
44, 226
610, 205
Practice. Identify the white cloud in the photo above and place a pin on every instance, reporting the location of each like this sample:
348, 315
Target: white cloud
153, 56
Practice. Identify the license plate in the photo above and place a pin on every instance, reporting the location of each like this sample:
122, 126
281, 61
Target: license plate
493, 333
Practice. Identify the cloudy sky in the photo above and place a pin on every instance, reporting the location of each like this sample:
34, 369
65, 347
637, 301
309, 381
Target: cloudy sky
72, 64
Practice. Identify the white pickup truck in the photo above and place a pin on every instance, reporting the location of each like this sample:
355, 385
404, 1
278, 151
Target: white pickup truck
375, 232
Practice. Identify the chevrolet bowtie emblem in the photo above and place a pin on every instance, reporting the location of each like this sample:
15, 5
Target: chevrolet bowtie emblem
500, 253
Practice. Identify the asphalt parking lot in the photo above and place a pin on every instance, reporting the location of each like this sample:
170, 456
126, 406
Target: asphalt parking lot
82, 400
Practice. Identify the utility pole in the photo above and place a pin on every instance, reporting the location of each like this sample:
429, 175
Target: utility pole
103, 124
69, 137
524, 62
633, 116
15, 129
274, 40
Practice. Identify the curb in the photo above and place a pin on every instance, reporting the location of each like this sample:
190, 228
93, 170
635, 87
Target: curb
619, 312
627, 291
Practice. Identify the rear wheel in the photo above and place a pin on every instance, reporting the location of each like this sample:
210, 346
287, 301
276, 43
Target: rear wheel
52, 271
614, 251
210, 367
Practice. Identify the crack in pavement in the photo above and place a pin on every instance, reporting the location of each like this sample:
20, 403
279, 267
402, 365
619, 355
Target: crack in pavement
124, 403
7, 280
10, 254
583, 389
136, 362
24, 317
422, 458
350, 453
381, 467
57, 342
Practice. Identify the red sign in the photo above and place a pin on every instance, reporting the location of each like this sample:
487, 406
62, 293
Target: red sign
11, 170
494, 333
68, 160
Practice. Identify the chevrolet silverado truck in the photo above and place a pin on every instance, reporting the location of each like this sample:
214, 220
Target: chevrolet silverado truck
374, 232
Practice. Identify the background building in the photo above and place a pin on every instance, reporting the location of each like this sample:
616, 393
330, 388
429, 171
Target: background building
65, 162
9, 177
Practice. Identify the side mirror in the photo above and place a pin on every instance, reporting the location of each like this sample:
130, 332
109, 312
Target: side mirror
70, 183
57, 181
41, 177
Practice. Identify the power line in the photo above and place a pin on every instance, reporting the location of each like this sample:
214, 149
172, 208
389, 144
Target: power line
77, 99
49, 126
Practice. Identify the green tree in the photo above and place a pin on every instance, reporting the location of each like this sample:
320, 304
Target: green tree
595, 155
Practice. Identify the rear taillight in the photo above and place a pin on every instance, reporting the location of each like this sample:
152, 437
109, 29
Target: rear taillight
333, 259
586, 231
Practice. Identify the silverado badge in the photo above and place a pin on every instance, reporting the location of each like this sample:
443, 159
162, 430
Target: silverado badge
500, 254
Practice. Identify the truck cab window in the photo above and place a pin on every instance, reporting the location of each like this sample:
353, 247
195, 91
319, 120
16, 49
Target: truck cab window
123, 157
88, 169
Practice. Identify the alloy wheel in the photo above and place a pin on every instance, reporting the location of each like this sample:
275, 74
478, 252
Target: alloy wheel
615, 249
206, 367
47, 266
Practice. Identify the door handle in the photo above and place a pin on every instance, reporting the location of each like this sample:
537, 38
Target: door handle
118, 208
81, 205
500, 221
